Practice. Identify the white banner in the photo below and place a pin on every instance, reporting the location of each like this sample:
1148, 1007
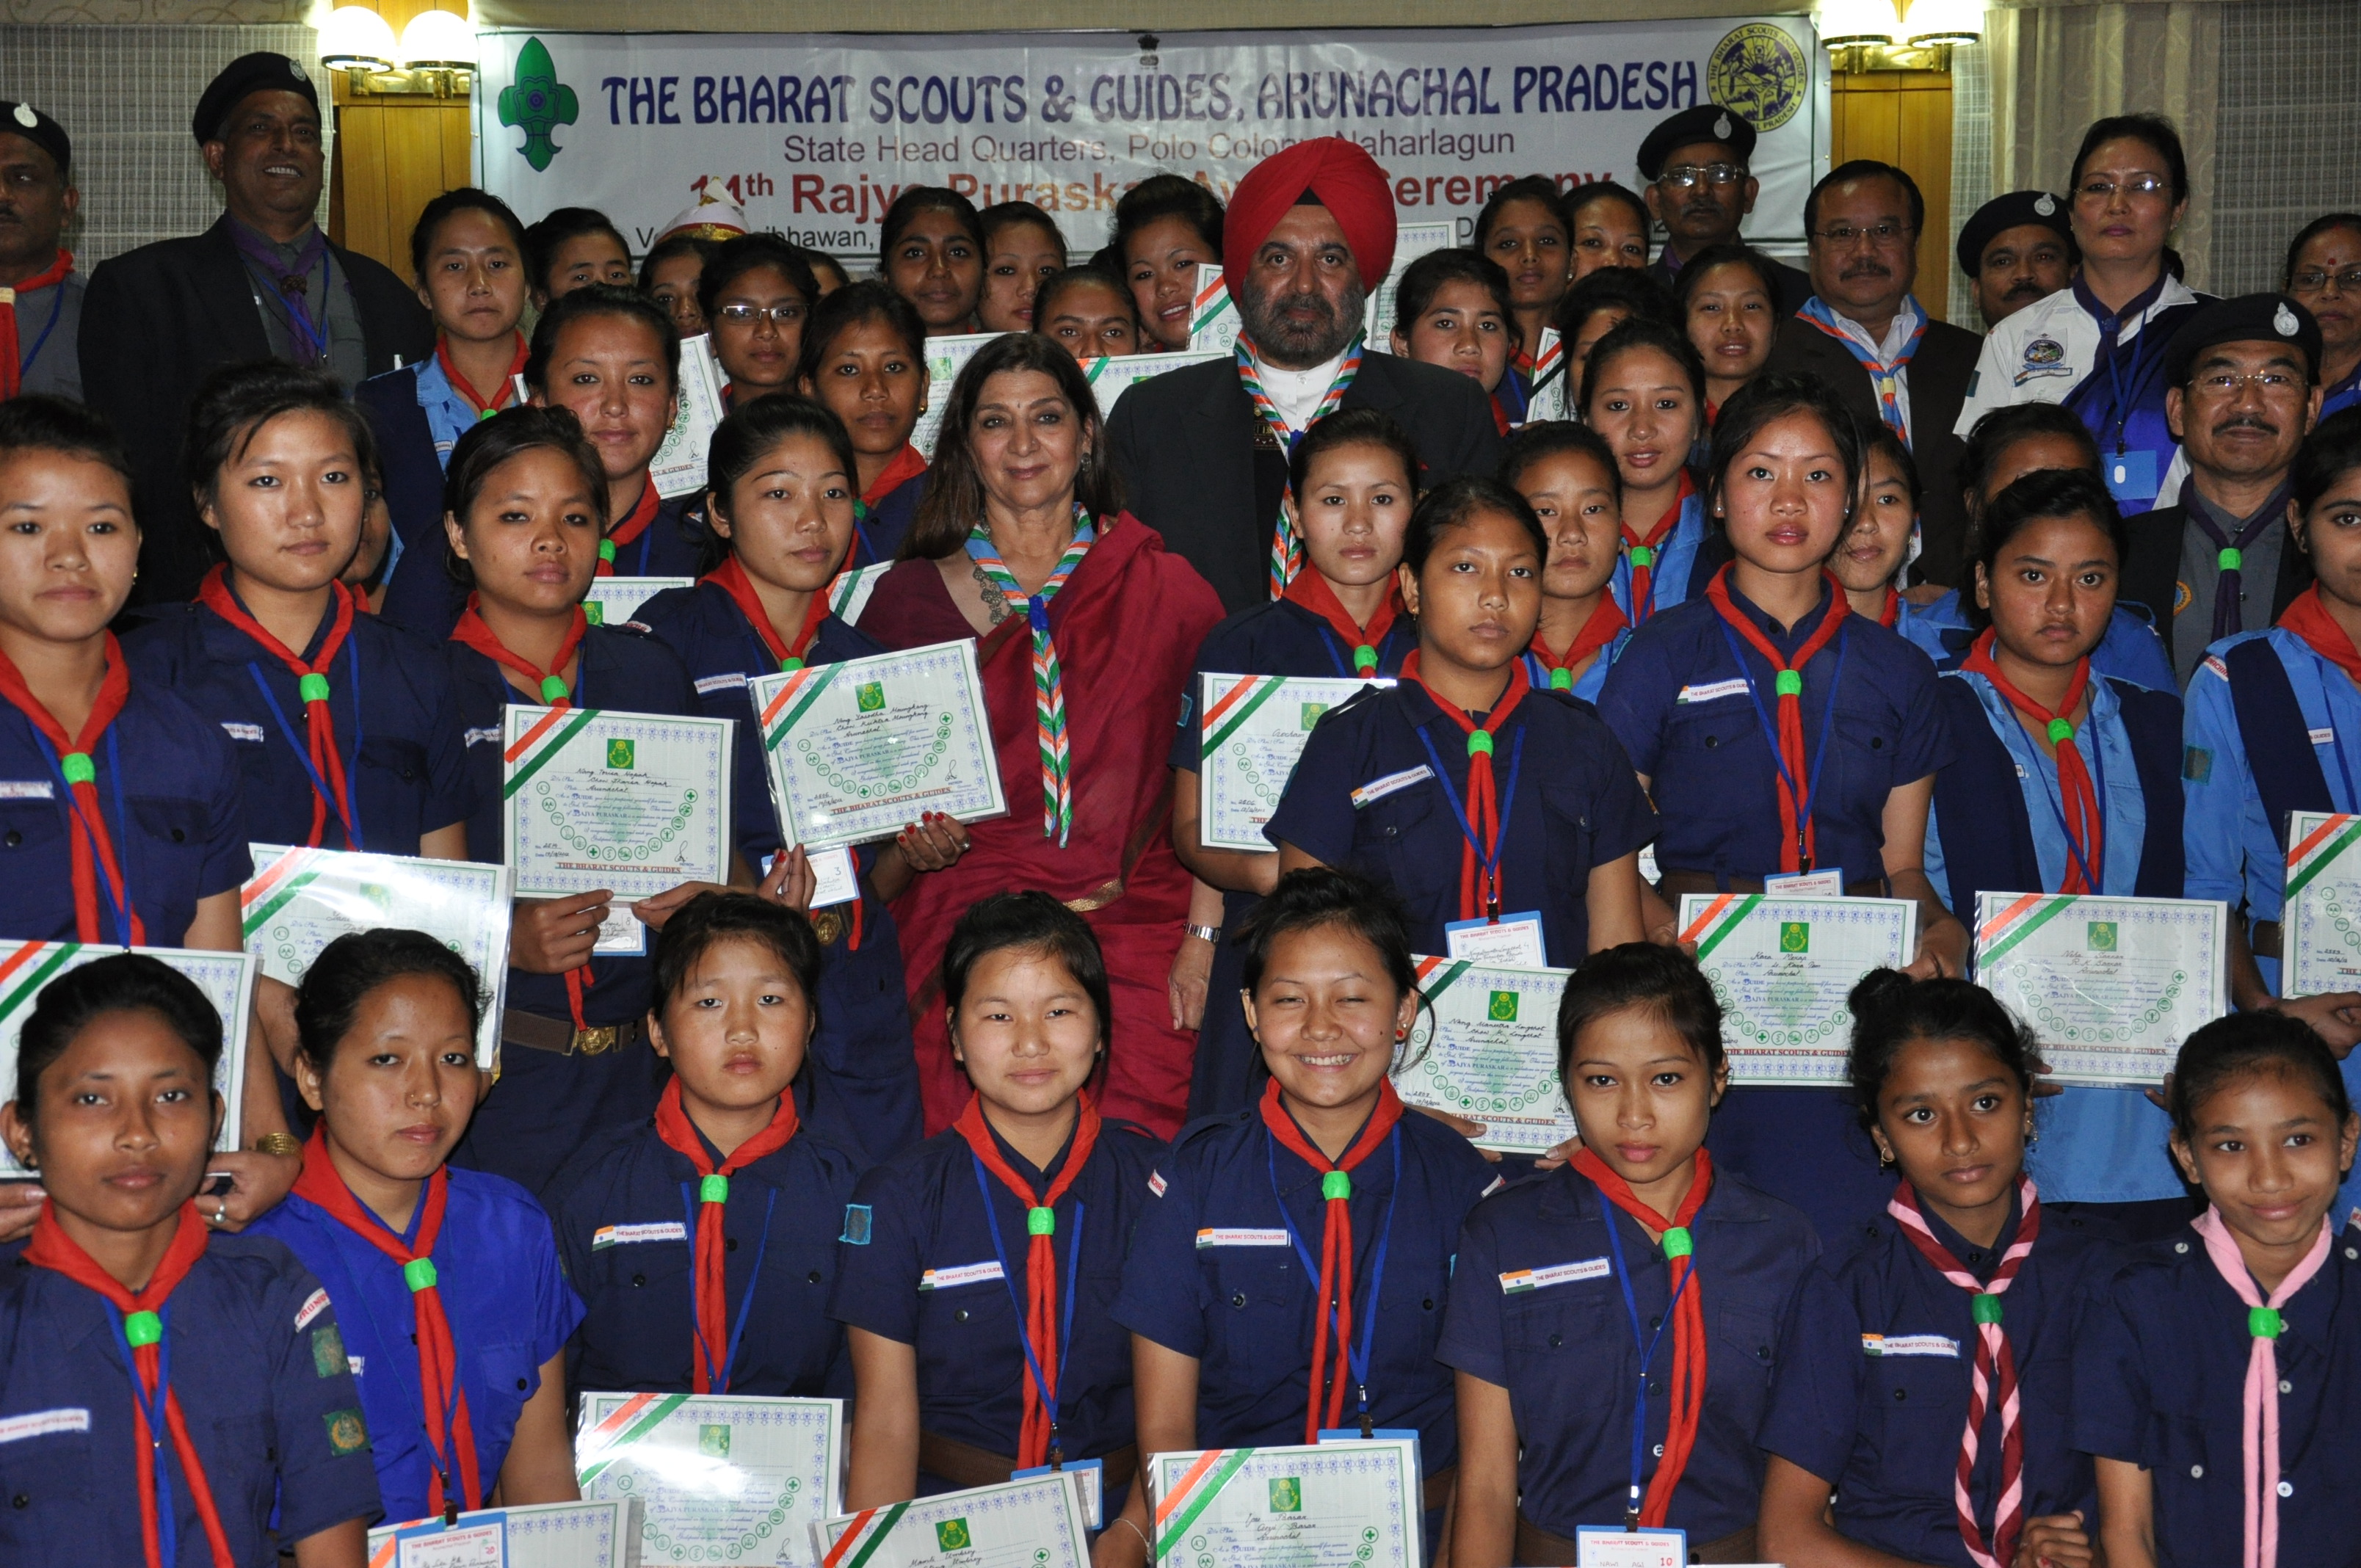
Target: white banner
814, 134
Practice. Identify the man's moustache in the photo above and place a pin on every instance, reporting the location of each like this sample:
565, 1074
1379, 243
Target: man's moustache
1869, 270
2246, 422
2024, 288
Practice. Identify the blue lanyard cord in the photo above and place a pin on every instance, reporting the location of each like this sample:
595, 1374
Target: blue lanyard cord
1646, 1347
122, 907
1023, 1335
302, 750
717, 1378
57, 309
1771, 731
1358, 1358
159, 1435
1490, 863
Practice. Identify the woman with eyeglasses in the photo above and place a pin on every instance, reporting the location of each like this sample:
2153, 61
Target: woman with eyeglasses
2098, 344
754, 294
2324, 273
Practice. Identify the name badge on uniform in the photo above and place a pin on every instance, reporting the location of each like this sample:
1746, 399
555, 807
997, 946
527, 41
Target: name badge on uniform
605, 1236
42, 1424
489, 735
728, 680
26, 789
1378, 789
251, 733
2323, 737
2130, 476
1222, 1235
1712, 691
1910, 1344
1612, 1546
1826, 882
1513, 941
314, 1305
964, 1274
1521, 1281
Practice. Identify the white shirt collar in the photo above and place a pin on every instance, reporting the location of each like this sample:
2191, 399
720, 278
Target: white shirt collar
1897, 332
1297, 393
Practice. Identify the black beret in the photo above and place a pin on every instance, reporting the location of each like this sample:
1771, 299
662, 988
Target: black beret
2002, 213
1706, 122
2248, 318
24, 120
258, 72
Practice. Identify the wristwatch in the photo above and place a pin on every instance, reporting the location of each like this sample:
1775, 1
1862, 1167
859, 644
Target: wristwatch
281, 1144
1203, 933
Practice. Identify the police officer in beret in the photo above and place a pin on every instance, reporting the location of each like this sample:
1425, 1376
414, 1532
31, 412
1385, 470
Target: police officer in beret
2243, 390
41, 294
2018, 248
1699, 189
264, 282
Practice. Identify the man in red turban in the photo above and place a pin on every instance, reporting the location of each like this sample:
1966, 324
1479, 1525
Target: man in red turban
1330, 173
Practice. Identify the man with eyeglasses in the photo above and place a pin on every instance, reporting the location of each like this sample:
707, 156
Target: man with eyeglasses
2324, 273
1699, 188
2016, 249
2245, 389
1864, 334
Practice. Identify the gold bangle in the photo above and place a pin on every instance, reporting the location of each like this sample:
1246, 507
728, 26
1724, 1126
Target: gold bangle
280, 1144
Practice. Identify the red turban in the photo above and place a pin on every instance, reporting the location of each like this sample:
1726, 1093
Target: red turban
1347, 180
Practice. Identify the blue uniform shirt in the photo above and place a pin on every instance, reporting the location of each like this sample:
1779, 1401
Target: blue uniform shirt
626, 1212
867, 1083
397, 724
1872, 1389
922, 1213
1365, 796
1563, 1344
2130, 651
508, 1306
1668, 576
880, 529
258, 1368
168, 788
1281, 638
1594, 679
2160, 1380
1213, 1274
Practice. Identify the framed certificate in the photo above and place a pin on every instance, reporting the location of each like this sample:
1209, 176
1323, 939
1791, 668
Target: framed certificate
1782, 969
1033, 1523
227, 979
1255, 731
301, 900
2321, 924
613, 600
2111, 985
678, 468
854, 751
636, 803
1486, 1047
1110, 375
720, 1478
946, 357
1411, 242
1354, 1505
542, 1535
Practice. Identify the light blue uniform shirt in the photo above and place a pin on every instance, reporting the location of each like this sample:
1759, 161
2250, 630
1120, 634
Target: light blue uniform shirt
2131, 650
1586, 688
1668, 576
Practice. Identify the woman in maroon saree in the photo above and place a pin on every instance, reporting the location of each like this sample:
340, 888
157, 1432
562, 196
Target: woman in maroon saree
1022, 534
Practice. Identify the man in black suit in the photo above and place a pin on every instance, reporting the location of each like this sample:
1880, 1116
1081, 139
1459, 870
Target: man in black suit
262, 283
1699, 186
1309, 234
1865, 334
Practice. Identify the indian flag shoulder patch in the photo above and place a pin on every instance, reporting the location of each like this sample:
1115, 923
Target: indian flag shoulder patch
1910, 1344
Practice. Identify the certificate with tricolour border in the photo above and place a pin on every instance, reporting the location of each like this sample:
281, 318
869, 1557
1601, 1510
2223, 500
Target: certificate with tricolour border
1255, 729
1033, 1523
2321, 924
2112, 986
1485, 1048
536, 1535
1782, 967
721, 1478
634, 803
1336, 1505
614, 600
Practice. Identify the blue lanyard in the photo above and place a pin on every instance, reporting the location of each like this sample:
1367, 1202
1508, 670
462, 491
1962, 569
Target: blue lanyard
57, 308
1771, 731
160, 1435
1646, 1347
1357, 1356
303, 751
718, 1379
122, 816
863, 546
1024, 1337
2111, 326
1491, 863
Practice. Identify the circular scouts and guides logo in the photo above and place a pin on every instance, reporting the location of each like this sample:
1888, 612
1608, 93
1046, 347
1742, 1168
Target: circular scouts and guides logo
1760, 70
537, 103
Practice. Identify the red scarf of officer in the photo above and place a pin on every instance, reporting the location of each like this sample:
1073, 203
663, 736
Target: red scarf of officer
12, 354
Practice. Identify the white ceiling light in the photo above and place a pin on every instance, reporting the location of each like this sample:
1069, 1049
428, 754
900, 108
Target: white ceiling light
1850, 24
439, 40
1933, 22
355, 38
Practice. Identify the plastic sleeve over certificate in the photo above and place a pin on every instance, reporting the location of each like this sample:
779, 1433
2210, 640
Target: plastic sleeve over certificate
1337, 1505
1782, 969
2322, 920
2112, 986
720, 1478
540, 1535
1033, 1523
1485, 1048
1256, 728
634, 803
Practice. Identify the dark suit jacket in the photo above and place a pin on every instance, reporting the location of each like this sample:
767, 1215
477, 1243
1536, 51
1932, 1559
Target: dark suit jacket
1184, 444
1795, 283
2152, 567
405, 456
159, 320
1939, 385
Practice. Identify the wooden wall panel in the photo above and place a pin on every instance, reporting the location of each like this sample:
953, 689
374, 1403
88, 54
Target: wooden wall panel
1903, 117
394, 153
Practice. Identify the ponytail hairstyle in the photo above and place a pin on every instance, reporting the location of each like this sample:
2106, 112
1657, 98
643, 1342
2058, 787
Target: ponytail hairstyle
2249, 1045
1424, 279
354, 966
1453, 504
1890, 1010
121, 982
1161, 196
1632, 334
917, 199
854, 305
1995, 432
1352, 427
235, 403
2037, 497
1549, 438
733, 259
465, 199
542, 239
1034, 921
749, 431
1592, 191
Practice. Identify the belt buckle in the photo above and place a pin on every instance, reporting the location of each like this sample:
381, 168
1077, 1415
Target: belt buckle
591, 1042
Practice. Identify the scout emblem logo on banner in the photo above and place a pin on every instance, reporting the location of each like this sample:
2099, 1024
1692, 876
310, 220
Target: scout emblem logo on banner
1759, 71
537, 103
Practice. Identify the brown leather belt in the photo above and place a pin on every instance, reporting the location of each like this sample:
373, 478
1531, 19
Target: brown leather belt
965, 1465
560, 1038
2266, 940
1537, 1545
1672, 885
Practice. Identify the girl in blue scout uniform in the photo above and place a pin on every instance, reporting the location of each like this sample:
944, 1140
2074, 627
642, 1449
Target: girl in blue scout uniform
2215, 1377
703, 1239
1243, 1334
755, 295
1567, 475
467, 253
2007, 444
865, 359
1940, 1333
1352, 482
1569, 1322
608, 357
455, 1312
1743, 697
1643, 390
525, 511
978, 1269
2273, 725
171, 1397
2062, 780
1477, 799
1876, 546
780, 500
1451, 309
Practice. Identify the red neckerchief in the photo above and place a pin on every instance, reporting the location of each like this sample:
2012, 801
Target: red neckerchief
1333, 1298
1605, 623
11, 368
93, 843
1485, 821
141, 1327
1039, 1436
1643, 551
503, 394
1500, 414
312, 681
1797, 838
630, 529
1889, 614
2309, 619
450, 1435
908, 464
732, 579
1688, 1317
1992, 1383
1309, 590
709, 1284
2078, 799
